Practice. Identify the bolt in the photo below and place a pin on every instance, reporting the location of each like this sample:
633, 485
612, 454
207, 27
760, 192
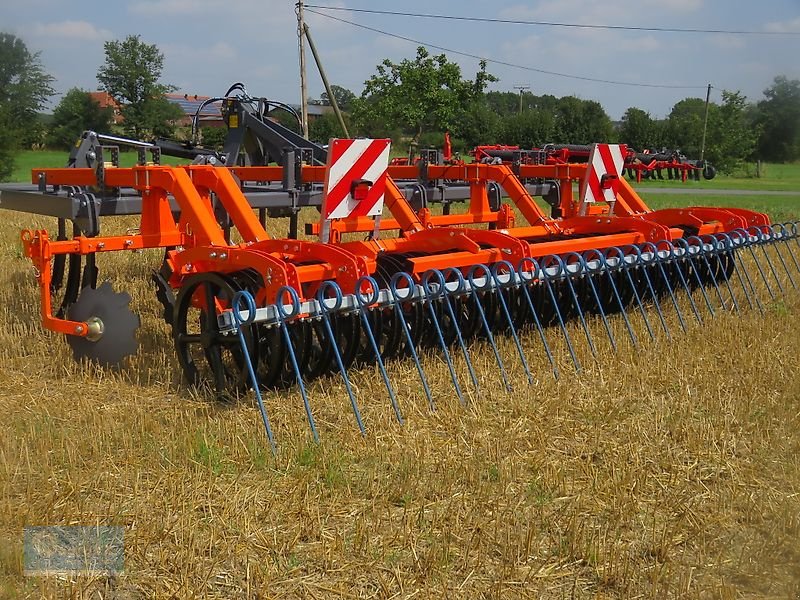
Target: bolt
79, 329
212, 255
223, 256
129, 242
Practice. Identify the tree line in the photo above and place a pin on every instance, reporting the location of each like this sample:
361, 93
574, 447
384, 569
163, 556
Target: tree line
414, 100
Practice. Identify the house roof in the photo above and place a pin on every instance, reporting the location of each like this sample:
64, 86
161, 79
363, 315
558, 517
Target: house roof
190, 103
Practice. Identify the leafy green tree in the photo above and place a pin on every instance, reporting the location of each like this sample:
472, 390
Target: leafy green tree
684, 130
529, 129
639, 130
581, 122
326, 126
213, 137
423, 94
77, 112
344, 97
24, 90
779, 117
735, 138
131, 76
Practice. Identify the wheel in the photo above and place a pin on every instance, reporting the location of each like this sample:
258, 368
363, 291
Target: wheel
210, 359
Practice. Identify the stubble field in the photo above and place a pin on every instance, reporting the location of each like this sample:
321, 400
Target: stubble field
667, 470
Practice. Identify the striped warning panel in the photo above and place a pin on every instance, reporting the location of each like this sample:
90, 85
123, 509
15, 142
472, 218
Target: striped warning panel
605, 168
355, 178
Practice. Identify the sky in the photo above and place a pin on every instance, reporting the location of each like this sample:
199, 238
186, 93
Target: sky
210, 44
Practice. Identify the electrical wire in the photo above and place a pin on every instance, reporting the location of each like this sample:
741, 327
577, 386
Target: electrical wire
505, 63
553, 23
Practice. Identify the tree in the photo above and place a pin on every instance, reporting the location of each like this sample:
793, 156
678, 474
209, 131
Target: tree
131, 76
581, 122
684, 130
639, 130
24, 91
779, 117
530, 129
77, 112
344, 97
427, 93
326, 126
735, 138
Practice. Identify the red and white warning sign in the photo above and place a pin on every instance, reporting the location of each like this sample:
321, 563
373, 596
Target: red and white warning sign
355, 178
602, 176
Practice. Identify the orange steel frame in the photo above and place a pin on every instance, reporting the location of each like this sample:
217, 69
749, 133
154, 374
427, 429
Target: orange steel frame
444, 240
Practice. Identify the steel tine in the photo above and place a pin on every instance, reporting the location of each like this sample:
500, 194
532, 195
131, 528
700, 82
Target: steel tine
564, 272
627, 266
283, 317
675, 260
472, 277
687, 248
589, 274
434, 293
786, 236
504, 307
749, 246
365, 299
546, 277
241, 322
763, 241
744, 281
718, 243
704, 254
660, 262
792, 235
459, 291
646, 271
521, 271
777, 243
620, 303
325, 310
397, 299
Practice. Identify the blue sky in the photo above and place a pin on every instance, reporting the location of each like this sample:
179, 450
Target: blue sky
209, 44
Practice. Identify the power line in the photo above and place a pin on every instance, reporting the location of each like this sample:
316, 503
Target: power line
553, 23
504, 63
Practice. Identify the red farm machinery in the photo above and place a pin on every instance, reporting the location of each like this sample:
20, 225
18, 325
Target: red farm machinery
382, 271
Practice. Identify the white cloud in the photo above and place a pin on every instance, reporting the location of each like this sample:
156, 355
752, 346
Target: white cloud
70, 30
783, 26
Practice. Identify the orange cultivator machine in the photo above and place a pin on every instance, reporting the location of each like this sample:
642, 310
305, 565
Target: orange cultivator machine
375, 279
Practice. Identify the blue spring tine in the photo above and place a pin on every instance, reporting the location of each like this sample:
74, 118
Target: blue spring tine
675, 259
432, 294
322, 294
687, 248
778, 244
646, 262
510, 270
250, 306
588, 273
364, 301
460, 290
398, 298
546, 277
660, 262
762, 243
789, 236
750, 245
474, 289
522, 269
719, 247
627, 266
283, 316
554, 258
745, 281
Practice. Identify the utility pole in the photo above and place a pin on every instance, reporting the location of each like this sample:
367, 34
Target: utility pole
705, 125
301, 25
521, 89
